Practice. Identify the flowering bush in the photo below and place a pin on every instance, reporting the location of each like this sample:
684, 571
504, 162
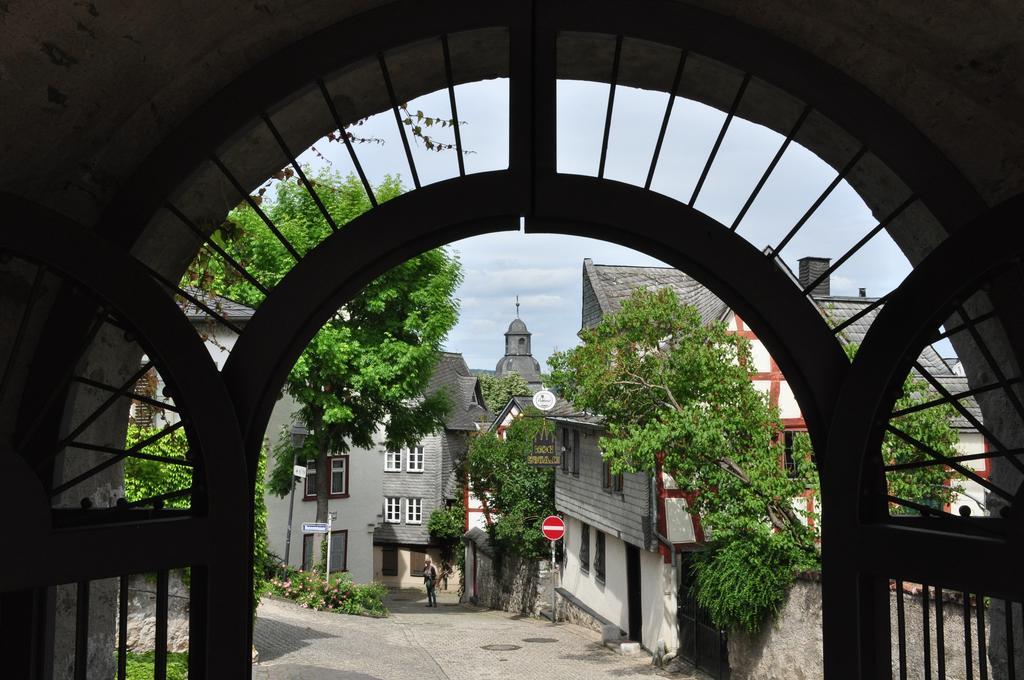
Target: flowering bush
338, 594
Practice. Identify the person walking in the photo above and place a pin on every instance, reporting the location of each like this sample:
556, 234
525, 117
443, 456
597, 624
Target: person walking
446, 571
429, 580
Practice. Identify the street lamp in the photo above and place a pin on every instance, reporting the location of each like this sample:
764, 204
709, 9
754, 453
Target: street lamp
298, 434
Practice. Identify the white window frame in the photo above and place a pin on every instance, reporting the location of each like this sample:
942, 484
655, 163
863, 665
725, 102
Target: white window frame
393, 461
412, 517
343, 460
416, 452
392, 510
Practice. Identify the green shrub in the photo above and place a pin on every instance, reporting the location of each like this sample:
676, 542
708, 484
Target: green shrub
338, 594
140, 666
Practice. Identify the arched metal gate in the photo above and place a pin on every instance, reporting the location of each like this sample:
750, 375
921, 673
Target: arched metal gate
244, 134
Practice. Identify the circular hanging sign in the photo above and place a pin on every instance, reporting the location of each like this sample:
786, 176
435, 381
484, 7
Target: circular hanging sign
544, 400
553, 528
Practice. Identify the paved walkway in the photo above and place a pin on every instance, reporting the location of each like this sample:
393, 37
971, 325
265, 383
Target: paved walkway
451, 642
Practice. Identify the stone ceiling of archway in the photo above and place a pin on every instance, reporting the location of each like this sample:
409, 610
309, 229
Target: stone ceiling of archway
89, 91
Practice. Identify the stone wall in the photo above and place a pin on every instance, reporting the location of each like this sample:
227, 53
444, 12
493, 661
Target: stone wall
142, 613
790, 647
510, 584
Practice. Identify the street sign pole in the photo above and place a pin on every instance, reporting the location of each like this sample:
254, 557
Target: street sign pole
291, 510
554, 610
330, 522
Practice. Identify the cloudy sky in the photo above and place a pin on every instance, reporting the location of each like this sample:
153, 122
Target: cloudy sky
545, 271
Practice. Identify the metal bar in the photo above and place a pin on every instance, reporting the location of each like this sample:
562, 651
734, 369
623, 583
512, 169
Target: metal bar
665, 119
901, 629
210, 243
141, 456
926, 632
117, 393
821, 199
160, 642
962, 327
953, 397
968, 661
398, 119
963, 459
963, 411
135, 397
1011, 672
19, 337
122, 629
107, 463
82, 631
721, 135
940, 636
298, 170
451, 102
771, 167
861, 314
994, 365
169, 496
348, 143
860, 244
193, 299
979, 604
611, 105
966, 472
256, 208
63, 382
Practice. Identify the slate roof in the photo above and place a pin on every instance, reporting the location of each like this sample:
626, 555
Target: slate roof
229, 309
452, 375
562, 411
613, 283
837, 309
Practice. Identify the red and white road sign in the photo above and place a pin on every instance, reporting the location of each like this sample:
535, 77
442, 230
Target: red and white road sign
553, 528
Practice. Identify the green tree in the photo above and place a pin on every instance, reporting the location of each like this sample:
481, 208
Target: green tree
497, 391
515, 496
369, 364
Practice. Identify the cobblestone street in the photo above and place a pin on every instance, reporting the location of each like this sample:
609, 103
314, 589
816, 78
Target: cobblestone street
451, 642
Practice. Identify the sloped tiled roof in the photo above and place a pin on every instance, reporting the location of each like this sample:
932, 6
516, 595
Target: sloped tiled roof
612, 284
838, 309
452, 375
229, 309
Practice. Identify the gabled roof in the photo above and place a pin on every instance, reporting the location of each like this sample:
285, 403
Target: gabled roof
563, 410
229, 309
452, 375
613, 283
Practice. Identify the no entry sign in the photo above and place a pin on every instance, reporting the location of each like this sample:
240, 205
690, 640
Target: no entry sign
553, 528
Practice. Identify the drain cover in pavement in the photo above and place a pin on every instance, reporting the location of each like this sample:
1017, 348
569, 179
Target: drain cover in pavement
500, 648
539, 640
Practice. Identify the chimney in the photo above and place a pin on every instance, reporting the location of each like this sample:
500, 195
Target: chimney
810, 269
863, 292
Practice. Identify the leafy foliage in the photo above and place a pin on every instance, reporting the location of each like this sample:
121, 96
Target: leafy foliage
516, 496
139, 666
338, 593
370, 363
677, 392
446, 523
149, 478
497, 391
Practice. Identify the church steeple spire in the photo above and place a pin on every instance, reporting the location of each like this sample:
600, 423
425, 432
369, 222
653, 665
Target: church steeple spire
517, 306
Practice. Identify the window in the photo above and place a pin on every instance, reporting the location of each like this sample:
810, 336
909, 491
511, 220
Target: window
307, 551
393, 461
599, 556
389, 561
585, 548
339, 476
617, 481
393, 510
576, 452
566, 450
415, 463
788, 461
609, 481
339, 551
310, 479
414, 511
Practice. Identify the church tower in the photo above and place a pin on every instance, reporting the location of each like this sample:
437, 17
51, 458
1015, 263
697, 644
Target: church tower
518, 354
